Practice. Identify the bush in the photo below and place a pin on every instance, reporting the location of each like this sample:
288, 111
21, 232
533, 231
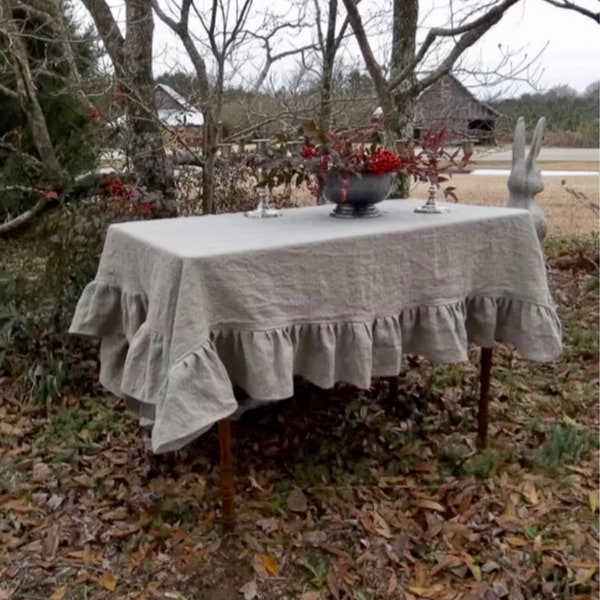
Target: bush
40, 296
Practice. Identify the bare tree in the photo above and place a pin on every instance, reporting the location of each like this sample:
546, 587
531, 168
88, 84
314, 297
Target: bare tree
131, 56
225, 31
222, 36
398, 89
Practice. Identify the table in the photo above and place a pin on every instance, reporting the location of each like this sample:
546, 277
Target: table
187, 308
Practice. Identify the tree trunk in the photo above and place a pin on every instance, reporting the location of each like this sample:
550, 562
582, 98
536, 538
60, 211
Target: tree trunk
400, 127
329, 52
147, 149
132, 60
27, 93
209, 153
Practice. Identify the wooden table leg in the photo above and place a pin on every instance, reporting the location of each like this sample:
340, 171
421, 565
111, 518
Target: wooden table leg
484, 396
227, 489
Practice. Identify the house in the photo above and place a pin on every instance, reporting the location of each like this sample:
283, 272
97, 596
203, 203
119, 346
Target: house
449, 105
174, 110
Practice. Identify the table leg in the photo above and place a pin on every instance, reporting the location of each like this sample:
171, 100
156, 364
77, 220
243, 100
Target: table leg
227, 489
484, 397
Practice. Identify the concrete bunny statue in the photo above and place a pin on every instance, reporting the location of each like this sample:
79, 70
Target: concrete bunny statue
525, 179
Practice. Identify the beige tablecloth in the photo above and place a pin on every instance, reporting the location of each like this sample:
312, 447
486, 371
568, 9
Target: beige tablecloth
187, 307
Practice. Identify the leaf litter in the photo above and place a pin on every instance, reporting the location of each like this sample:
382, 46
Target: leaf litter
340, 494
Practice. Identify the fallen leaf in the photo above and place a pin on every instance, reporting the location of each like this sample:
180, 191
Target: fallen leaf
18, 505
8, 429
381, 526
530, 493
581, 470
500, 588
268, 525
50, 542
585, 576
516, 541
40, 472
83, 480
311, 596
428, 591
271, 565
59, 593
489, 566
430, 505
593, 500
259, 567
296, 501
392, 585
109, 581
332, 583
584, 564
249, 590
450, 562
475, 570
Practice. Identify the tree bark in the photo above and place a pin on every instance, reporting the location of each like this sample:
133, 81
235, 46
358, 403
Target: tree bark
131, 56
147, 149
328, 48
404, 42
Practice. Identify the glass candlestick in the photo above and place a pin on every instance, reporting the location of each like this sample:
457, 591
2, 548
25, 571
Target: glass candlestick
263, 210
430, 207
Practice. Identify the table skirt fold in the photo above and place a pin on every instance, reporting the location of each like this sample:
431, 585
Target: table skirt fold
183, 398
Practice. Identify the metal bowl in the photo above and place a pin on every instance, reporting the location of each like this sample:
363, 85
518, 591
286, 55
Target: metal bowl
363, 191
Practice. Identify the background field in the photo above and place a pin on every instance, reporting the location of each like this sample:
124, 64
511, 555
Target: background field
566, 211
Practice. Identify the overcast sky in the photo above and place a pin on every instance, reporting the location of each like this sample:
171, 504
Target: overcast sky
573, 53
571, 41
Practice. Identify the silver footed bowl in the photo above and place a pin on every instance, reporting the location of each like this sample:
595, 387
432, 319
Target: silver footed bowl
363, 191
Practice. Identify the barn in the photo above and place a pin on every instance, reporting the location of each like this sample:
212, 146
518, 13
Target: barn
174, 110
449, 105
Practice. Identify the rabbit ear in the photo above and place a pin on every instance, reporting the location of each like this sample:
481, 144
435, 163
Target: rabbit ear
536, 141
518, 153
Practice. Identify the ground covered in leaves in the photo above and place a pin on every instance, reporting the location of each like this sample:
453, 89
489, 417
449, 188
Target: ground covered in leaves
341, 494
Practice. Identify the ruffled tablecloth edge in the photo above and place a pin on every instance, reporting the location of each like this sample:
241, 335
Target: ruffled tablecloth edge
191, 395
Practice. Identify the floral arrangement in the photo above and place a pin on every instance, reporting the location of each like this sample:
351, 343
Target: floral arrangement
341, 156
308, 160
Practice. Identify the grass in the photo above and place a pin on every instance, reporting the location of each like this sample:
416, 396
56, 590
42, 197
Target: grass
550, 165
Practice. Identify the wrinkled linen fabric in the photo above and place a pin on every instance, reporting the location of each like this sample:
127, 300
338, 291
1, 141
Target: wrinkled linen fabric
187, 308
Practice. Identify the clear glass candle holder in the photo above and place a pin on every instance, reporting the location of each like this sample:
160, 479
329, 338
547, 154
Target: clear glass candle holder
263, 210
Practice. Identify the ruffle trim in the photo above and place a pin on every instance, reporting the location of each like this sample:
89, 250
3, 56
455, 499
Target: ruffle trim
186, 398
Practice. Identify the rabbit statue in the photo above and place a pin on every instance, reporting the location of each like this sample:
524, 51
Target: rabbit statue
525, 179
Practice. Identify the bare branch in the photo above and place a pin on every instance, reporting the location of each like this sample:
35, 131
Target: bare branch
470, 32
28, 215
371, 63
8, 92
107, 28
595, 16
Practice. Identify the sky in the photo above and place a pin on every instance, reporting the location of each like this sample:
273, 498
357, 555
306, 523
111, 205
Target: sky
569, 42
572, 55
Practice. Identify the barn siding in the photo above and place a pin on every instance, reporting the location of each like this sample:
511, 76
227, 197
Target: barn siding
447, 104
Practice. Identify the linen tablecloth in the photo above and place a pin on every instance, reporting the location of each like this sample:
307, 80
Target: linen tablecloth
186, 308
